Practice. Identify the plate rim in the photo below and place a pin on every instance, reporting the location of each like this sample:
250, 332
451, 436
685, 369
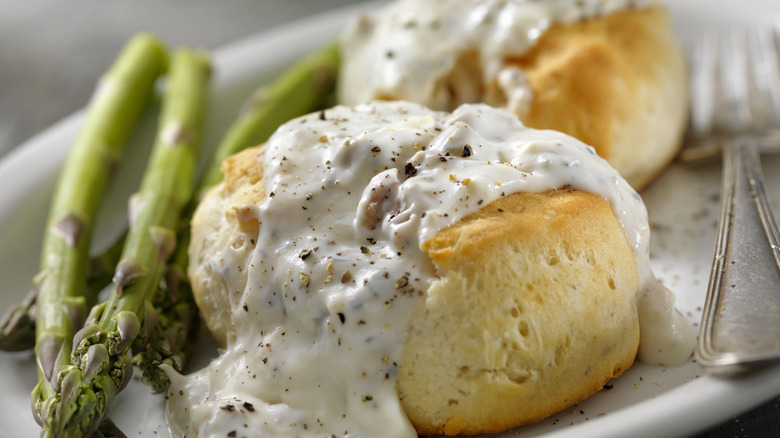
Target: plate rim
691, 408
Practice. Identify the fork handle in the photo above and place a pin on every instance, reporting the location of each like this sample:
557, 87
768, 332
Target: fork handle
741, 320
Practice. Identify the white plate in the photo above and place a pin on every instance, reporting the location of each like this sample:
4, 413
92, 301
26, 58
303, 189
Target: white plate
645, 401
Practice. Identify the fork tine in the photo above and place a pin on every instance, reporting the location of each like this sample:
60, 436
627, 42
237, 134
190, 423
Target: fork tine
702, 61
734, 89
702, 58
769, 70
734, 70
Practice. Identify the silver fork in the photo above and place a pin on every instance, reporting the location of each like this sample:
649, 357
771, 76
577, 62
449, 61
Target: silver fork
735, 107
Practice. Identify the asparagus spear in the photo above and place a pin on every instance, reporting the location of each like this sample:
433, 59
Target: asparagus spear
99, 365
302, 88
120, 97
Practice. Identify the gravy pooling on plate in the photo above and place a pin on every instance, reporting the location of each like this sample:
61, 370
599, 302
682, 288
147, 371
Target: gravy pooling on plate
351, 195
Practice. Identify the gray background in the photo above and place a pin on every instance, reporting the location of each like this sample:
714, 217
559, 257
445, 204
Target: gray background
52, 52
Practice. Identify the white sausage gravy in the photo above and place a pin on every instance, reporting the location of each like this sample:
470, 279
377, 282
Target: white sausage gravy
351, 194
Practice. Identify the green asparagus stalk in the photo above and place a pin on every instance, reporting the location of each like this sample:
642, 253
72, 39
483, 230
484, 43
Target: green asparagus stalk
99, 364
304, 87
120, 97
